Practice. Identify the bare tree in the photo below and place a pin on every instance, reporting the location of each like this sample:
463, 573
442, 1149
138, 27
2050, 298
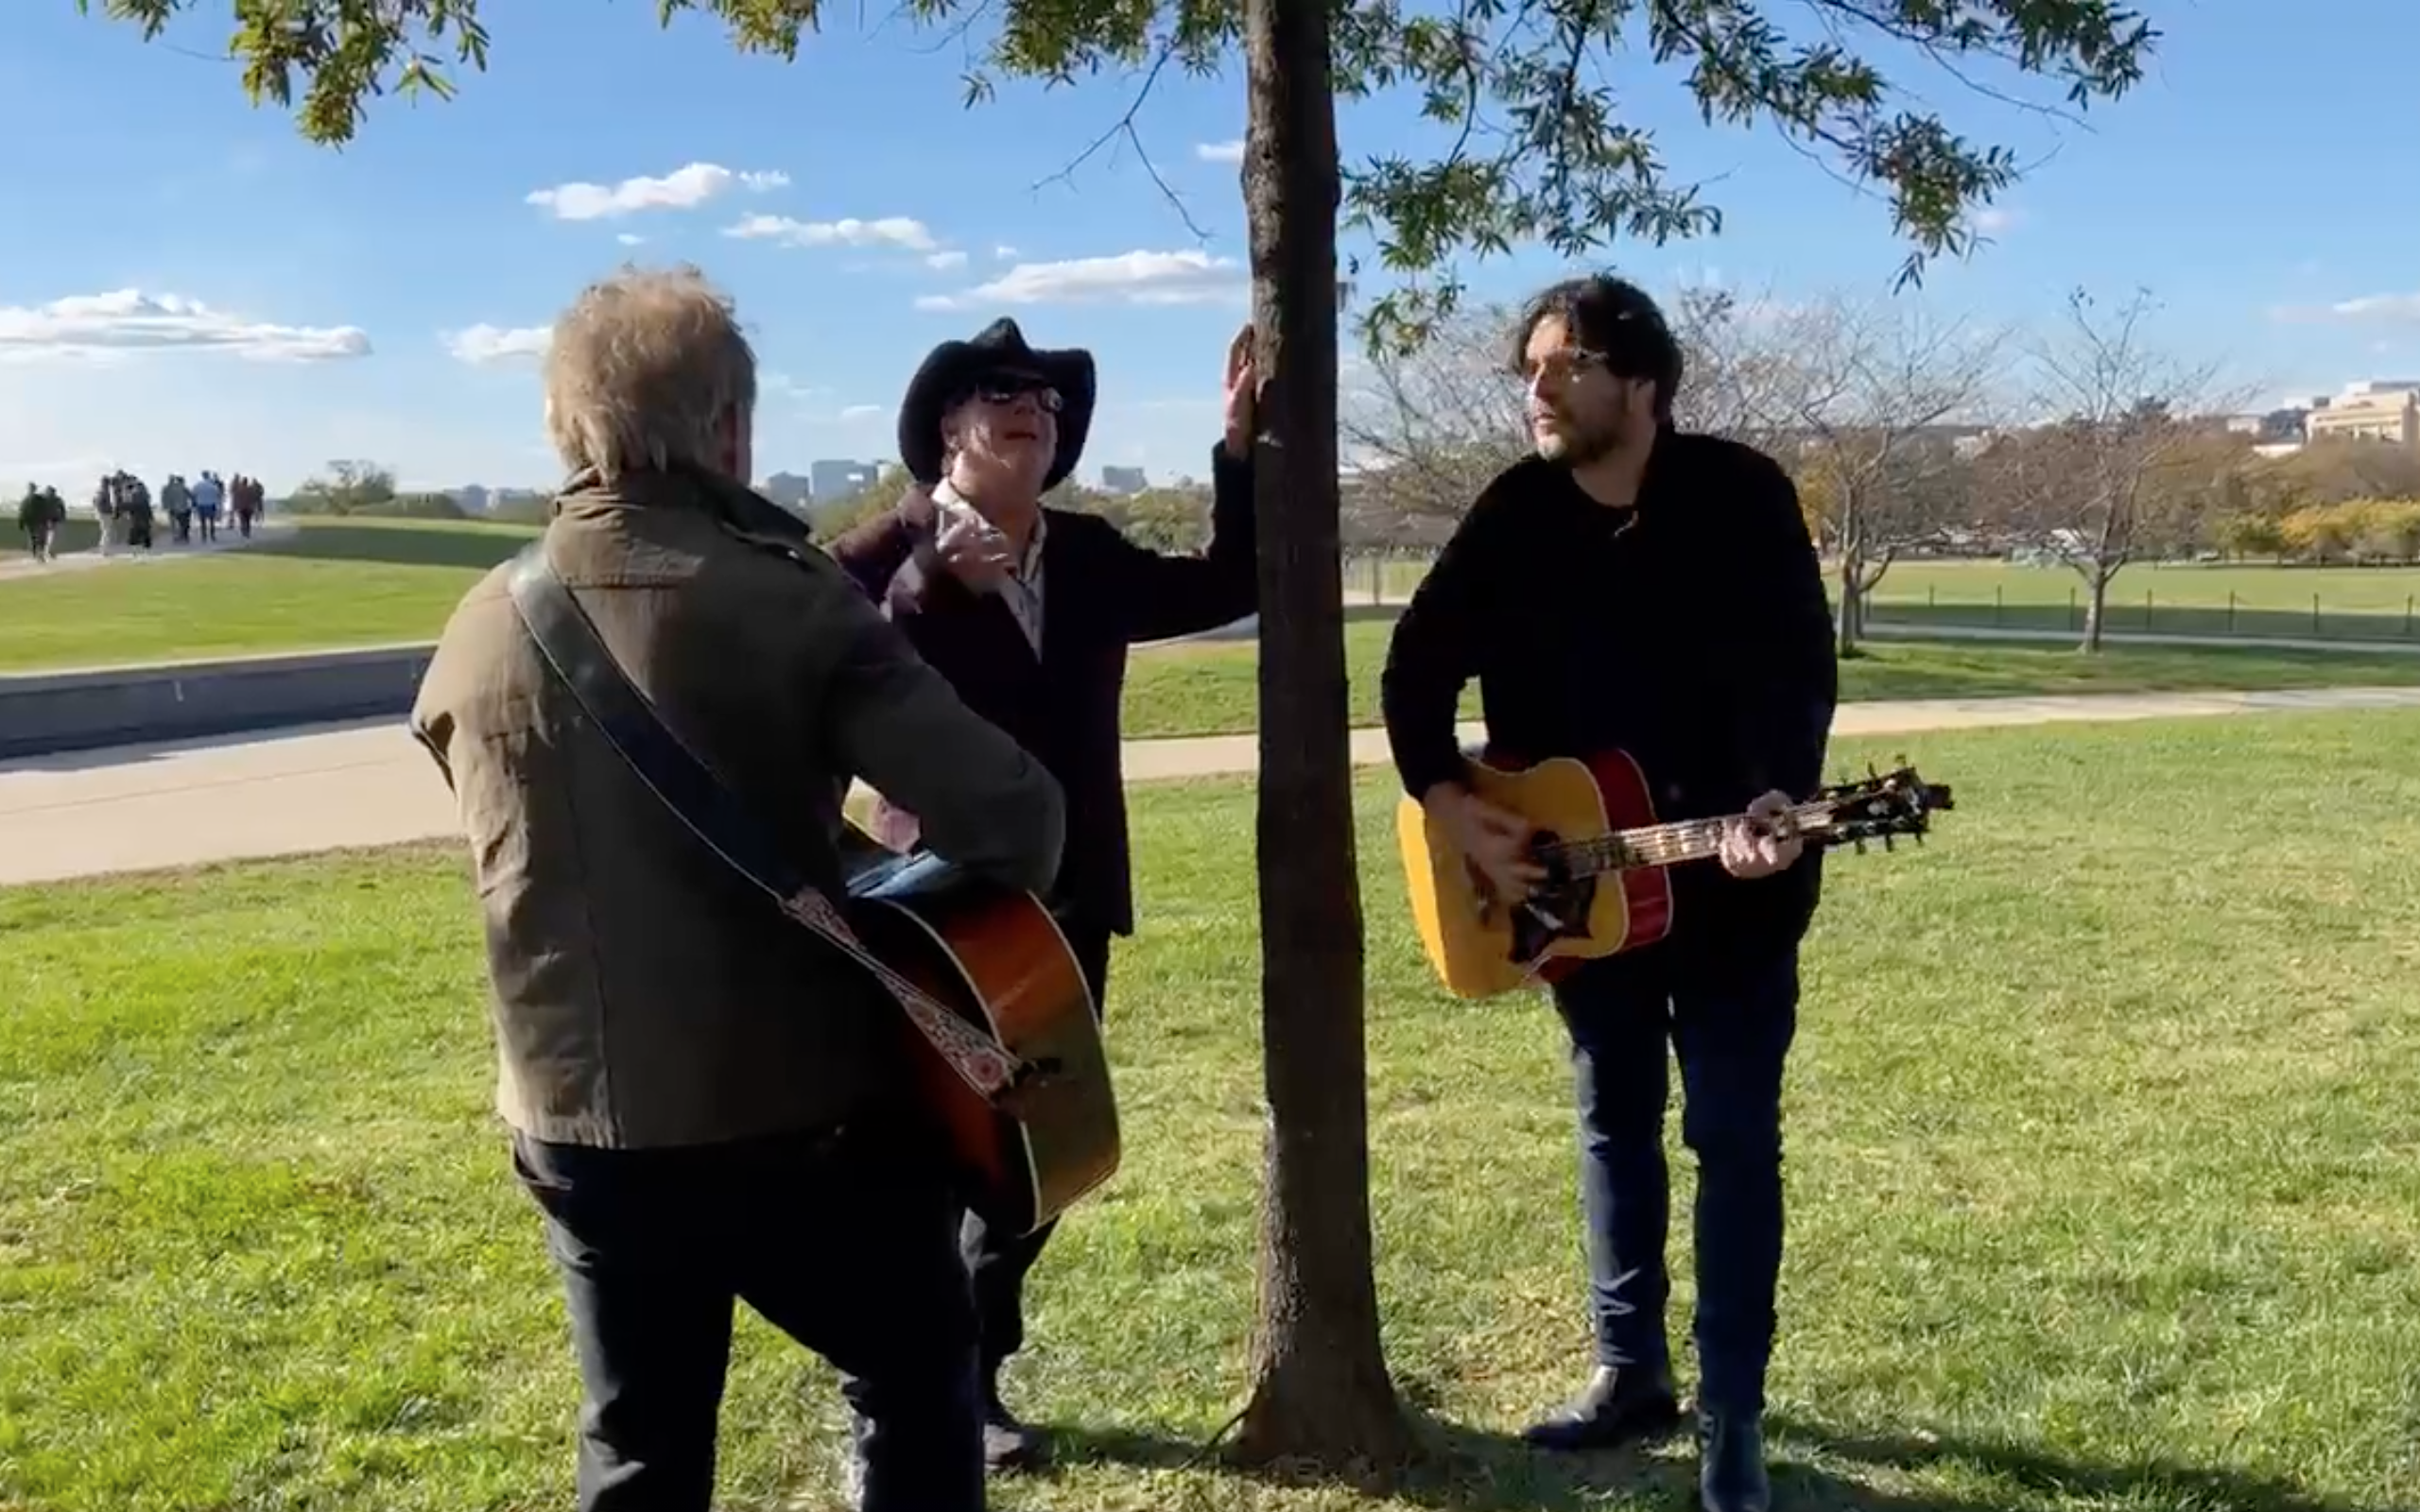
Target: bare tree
1432, 426
2111, 471
1868, 400
1735, 379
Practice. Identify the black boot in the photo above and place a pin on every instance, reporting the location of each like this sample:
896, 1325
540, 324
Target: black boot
1619, 1406
1731, 1463
1008, 1444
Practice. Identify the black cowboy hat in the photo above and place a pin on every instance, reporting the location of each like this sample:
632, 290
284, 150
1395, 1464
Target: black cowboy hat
952, 369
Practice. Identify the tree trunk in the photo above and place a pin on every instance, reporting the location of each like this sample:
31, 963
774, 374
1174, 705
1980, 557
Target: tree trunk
1319, 1389
1848, 622
2096, 607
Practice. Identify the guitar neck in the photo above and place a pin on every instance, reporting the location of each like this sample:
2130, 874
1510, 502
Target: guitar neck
1666, 845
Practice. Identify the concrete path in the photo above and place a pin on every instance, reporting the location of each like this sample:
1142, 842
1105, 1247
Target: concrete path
140, 807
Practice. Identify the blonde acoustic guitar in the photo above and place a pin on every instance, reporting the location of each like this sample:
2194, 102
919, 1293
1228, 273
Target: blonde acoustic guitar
1607, 859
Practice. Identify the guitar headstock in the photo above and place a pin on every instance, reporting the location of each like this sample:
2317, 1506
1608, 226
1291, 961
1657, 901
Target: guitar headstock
1880, 806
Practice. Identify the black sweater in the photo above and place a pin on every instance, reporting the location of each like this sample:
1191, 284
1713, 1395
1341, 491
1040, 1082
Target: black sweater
1692, 632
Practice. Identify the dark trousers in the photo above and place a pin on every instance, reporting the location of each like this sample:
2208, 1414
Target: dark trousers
1729, 1022
842, 1240
997, 1265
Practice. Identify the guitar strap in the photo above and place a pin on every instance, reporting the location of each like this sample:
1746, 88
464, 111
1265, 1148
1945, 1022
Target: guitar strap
701, 800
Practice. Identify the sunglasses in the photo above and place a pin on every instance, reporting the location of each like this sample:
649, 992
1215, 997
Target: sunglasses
1007, 388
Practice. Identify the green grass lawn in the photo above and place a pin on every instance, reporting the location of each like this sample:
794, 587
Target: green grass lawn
330, 584
2332, 603
1208, 688
2104, 1177
364, 582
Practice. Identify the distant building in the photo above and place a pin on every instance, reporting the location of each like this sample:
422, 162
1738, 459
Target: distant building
2379, 410
2271, 427
788, 489
1123, 480
831, 480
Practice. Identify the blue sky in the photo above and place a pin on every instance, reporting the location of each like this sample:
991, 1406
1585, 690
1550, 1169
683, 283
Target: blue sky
234, 298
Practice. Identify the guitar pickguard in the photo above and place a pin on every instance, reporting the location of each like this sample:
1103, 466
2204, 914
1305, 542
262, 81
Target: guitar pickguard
1551, 915
1558, 910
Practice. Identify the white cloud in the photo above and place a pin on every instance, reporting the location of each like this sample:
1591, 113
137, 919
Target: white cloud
1130, 278
1220, 151
684, 188
858, 412
630, 238
946, 261
128, 321
1004, 251
484, 346
2368, 309
781, 386
1994, 219
891, 230
2378, 307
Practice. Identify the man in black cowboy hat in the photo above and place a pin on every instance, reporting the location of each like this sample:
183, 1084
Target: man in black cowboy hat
1028, 609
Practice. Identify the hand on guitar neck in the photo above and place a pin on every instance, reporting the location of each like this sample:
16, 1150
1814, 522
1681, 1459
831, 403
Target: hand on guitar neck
1762, 841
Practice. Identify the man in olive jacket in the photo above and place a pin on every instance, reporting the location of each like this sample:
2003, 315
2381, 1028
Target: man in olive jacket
708, 1103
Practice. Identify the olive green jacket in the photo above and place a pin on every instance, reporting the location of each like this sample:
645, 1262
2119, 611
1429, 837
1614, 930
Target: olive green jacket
644, 994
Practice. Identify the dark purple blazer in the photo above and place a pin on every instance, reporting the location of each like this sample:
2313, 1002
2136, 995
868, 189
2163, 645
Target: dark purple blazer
1101, 595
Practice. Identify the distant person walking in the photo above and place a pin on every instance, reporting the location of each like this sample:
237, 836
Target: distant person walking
108, 516
209, 496
39, 515
134, 503
178, 500
246, 495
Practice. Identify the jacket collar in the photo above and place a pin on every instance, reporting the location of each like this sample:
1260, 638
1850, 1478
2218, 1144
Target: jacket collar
684, 486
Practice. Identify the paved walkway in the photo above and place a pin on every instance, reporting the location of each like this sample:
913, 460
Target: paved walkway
139, 807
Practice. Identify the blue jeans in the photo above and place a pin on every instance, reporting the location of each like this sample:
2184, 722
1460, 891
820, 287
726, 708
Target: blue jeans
836, 1239
1729, 1024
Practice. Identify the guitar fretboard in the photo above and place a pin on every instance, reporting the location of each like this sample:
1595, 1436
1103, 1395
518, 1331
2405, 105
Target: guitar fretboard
1663, 844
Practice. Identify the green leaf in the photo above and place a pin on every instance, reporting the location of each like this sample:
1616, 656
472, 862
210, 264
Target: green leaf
1542, 153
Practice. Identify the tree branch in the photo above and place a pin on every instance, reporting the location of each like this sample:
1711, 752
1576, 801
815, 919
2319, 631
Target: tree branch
1125, 128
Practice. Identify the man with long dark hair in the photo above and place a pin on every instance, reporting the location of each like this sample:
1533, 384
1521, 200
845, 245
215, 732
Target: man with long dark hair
1638, 588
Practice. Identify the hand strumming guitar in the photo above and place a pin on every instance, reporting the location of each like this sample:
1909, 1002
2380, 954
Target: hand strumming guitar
1496, 840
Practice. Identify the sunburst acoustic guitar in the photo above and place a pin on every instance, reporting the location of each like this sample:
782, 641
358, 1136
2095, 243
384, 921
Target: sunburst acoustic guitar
1607, 859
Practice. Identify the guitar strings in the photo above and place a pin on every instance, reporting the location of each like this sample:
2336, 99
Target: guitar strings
1681, 840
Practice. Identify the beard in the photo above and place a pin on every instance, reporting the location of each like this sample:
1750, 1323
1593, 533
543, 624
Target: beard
1577, 443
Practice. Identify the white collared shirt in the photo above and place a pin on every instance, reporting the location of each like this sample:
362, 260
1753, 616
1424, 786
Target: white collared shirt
1022, 589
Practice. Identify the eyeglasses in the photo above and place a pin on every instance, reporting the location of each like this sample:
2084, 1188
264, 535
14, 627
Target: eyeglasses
1009, 389
1562, 365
